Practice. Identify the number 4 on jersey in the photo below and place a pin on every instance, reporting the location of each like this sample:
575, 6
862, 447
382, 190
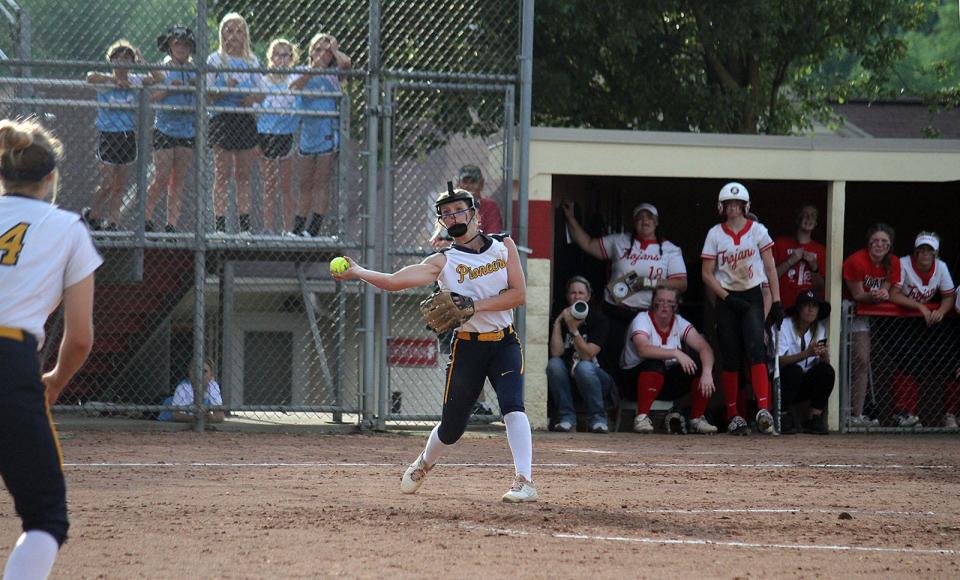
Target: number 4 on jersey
11, 244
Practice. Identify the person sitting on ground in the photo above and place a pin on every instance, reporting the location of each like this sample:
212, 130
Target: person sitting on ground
183, 396
805, 371
575, 341
654, 350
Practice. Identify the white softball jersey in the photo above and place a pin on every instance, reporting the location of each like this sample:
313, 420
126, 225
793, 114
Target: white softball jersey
666, 338
737, 254
43, 250
478, 274
923, 288
628, 254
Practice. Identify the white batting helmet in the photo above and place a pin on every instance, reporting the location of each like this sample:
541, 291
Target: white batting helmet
733, 191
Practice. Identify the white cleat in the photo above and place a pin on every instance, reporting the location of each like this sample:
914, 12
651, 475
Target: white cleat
700, 425
764, 422
522, 490
642, 424
414, 475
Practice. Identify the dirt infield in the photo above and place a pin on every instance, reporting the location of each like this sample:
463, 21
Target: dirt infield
240, 505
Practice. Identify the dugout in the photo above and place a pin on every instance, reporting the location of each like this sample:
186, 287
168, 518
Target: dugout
910, 183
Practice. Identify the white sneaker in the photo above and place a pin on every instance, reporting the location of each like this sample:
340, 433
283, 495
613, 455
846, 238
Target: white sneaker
414, 475
563, 427
908, 420
950, 421
764, 422
862, 421
642, 424
701, 425
522, 490
600, 427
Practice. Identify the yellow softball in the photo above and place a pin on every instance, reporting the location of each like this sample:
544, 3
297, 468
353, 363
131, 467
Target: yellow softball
339, 265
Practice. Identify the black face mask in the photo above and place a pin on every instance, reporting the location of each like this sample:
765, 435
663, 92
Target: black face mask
457, 230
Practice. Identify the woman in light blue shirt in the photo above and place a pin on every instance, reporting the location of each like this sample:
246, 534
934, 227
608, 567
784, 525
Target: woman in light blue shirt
174, 132
233, 135
116, 132
319, 136
275, 135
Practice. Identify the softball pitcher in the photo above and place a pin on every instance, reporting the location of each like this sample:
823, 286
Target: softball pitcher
483, 273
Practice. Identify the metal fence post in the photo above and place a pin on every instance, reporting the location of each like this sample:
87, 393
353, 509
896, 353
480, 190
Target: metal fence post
200, 253
370, 226
387, 245
526, 91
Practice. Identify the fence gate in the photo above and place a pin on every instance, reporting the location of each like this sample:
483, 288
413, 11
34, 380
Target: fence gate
432, 129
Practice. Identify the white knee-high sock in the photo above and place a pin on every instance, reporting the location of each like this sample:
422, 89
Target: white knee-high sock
435, 448
32, 557
521, 442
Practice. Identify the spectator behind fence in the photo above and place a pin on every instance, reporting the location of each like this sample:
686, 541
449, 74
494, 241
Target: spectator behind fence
869, 275
576, 339
805, 371
734, 254
639, 261
116, 132
471, 179
923, 277
275, 132
174, 132
654, 351
799, 258
319, 136
183, 396
233, 135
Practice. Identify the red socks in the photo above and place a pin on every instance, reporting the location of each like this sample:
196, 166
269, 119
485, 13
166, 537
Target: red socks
648, 387
905, 393
952, 388
761, 385
730, 384
699, 402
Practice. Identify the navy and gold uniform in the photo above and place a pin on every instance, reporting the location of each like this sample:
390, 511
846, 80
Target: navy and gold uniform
43, 250
486, 346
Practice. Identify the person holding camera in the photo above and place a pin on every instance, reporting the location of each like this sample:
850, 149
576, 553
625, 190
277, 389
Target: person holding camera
655, 351
575, 341
805, 371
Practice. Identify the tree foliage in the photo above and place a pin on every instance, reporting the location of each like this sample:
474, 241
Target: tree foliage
739, 66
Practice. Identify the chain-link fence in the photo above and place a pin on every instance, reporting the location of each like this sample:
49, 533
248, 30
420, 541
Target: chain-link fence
899, 374
222, 152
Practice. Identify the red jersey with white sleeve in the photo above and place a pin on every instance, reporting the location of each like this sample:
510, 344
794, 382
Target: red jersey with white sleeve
666, 338
923, 287
628, 254
799, 277
737, 254
859, 268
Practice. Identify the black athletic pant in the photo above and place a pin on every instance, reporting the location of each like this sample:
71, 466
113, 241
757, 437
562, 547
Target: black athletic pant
741, 333
814, 385
30, 459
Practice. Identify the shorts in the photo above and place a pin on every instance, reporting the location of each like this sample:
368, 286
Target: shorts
275, 146
328, 145
117, 148
233, 131
857, 323
163, 141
